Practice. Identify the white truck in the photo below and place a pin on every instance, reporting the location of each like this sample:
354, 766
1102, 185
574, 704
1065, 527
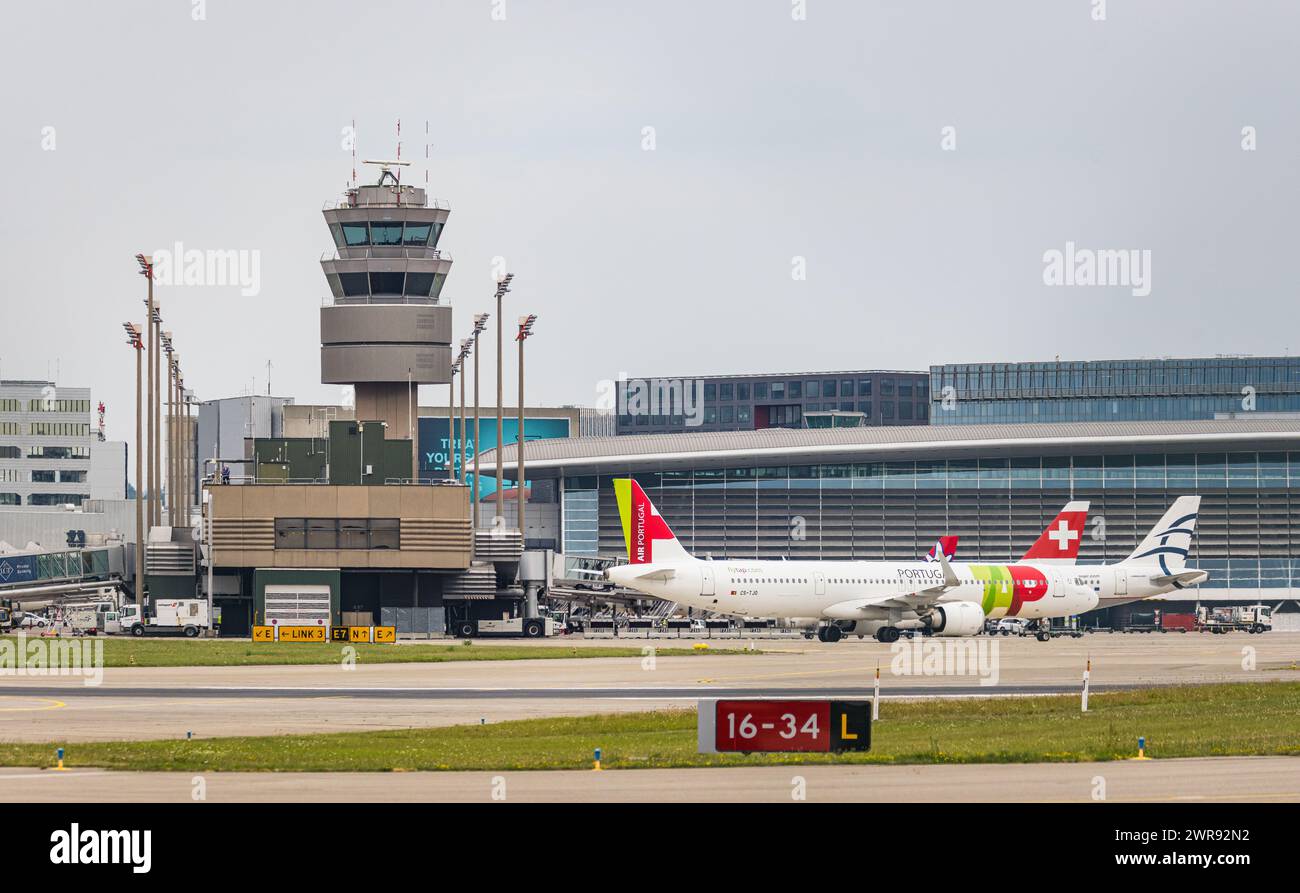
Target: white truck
91, 620
171, 617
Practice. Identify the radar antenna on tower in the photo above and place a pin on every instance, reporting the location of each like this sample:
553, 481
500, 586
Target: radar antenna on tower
386, 170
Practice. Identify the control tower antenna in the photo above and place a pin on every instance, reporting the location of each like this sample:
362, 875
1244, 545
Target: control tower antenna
354, 153
426, 154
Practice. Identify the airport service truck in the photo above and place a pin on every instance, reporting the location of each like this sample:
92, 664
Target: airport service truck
526, 627
171, 617
1249, 618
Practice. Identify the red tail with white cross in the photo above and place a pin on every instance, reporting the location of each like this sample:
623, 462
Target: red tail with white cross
1059, 543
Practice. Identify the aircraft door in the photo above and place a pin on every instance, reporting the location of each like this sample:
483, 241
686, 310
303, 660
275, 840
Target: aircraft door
706, 578
819, 581
1121, 581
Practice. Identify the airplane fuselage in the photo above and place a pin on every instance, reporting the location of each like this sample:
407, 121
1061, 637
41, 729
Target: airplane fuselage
844, 589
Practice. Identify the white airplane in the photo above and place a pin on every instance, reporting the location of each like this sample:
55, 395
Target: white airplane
881, 598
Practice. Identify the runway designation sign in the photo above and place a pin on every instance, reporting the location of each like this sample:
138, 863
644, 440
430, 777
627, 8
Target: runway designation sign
783, 726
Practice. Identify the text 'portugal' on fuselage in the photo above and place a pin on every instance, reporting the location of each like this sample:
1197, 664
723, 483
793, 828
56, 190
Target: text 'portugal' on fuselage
883, 597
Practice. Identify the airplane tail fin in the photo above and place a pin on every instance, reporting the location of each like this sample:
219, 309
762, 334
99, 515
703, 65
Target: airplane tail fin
1169, 541
644, 529
944, 545
1059, 543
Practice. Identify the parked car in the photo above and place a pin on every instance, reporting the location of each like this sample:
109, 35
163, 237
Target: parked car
33, 621
1009, 626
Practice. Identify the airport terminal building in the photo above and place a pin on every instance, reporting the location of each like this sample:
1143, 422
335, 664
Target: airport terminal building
887, 492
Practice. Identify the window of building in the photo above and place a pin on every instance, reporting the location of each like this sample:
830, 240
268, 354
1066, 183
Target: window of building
846, 387
760, 390
10, 499
795, 391
827, 388
419, 285
778, 390
742, 390
356, 234
905, 411
353, 533
728, 415
10, 428
322, 533
385, 533
354, 284
337, 533
42, 477
744, 414
726, 391
417, 233
886, 409
710, 394
56, 498
386, 283
291, 533
887, 388
385, 232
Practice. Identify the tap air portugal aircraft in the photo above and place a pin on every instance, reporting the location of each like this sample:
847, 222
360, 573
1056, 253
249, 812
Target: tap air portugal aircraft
881, 598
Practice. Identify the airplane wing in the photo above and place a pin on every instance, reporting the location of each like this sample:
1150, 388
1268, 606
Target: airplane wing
859, 608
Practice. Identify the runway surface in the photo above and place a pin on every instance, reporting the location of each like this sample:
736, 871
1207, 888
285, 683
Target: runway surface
142, 703
1223, 779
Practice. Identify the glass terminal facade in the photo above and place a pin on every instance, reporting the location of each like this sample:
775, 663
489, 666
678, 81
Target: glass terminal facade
1112, 390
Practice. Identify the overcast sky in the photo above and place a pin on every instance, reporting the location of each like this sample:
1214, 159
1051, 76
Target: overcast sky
773, 139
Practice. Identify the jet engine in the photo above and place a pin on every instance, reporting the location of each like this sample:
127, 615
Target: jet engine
956, 619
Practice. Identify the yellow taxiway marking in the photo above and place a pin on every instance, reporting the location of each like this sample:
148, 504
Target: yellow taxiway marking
51, 704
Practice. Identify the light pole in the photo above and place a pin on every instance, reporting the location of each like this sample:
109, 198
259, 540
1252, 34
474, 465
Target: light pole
525, 329
151, 321
169, 427
502, 287
155, 457
480, 323
465, 347
133, 339
451, 419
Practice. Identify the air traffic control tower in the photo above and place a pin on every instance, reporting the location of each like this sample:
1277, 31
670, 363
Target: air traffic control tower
385, 330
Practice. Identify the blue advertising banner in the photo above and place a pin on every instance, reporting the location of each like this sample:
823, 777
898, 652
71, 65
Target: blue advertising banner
435, 441
22, 568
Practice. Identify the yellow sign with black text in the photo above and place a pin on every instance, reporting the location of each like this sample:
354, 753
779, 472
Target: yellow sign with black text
302, 634
385, 634
264, 634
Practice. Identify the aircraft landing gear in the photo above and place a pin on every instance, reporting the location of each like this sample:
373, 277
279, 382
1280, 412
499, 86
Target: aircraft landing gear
831, 633
887, 634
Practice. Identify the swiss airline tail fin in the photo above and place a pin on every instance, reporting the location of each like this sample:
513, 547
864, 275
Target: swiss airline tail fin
1169, 541
644, 529
945, 545
1059, 543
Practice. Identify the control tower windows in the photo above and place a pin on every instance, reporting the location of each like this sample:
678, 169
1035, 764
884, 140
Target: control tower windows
386, 283
354, 285
419, 284
438, 280
385, 232
356, 234
418, 233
